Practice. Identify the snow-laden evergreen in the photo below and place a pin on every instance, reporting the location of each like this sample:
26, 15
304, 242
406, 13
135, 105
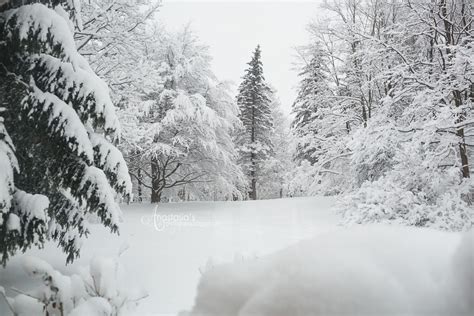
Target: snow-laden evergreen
254, 141
55, 174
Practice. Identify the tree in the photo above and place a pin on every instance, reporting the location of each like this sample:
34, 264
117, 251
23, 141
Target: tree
115, 39
274, 174
58, 123
184, 145
312, 98
254, 103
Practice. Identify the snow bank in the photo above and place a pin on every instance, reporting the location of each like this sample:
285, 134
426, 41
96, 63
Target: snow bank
374, 270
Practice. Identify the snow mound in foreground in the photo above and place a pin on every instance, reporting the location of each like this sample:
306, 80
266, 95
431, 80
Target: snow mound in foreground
374, 270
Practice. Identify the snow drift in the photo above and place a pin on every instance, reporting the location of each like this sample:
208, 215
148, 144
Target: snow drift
374, 270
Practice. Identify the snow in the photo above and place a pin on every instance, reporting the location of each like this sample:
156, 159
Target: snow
32, 205
103, 272
95, 306
167, 263
13, 222
99, 289
34, 266
37, 18
364, 271
26, 306
267, 257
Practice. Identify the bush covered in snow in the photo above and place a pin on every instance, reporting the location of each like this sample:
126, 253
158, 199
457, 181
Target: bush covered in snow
406, 178
98, 289
397, 197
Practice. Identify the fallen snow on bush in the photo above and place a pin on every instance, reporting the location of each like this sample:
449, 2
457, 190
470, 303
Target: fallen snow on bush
374, 270
99, 289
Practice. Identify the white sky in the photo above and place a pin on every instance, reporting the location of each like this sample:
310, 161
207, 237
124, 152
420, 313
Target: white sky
232, 29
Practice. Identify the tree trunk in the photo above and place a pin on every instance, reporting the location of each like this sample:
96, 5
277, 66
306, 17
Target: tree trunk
458, 101
155, 181
253, 192
462, 143
253, 183
139, 185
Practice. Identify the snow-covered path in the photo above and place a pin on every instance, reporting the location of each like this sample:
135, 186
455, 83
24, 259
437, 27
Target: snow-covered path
165, 258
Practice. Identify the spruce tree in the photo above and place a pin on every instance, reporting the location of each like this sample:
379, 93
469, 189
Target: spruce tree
58, 166
255, 113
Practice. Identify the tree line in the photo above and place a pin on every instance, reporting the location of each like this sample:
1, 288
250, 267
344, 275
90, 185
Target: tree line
384, 113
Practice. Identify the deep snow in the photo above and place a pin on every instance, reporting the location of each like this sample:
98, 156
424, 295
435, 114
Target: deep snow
366, 270
166, 259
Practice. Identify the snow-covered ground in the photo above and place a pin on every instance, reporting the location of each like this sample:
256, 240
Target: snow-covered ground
365, 270
166, 252
275, 257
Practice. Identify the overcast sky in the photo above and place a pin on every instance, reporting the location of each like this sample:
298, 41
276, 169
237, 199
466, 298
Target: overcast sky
232, 29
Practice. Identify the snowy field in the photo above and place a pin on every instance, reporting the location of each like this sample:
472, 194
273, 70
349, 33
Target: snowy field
166, 259
275, 257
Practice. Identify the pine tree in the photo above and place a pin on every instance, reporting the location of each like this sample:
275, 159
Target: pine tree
256, 116
58, 166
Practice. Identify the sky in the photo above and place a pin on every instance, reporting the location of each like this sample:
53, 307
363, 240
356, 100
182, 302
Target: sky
232, 30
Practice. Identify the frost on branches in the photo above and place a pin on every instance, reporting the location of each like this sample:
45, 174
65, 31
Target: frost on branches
57, 125
397, 133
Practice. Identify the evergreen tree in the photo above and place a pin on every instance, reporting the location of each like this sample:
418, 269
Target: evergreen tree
256, 116
58, 166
